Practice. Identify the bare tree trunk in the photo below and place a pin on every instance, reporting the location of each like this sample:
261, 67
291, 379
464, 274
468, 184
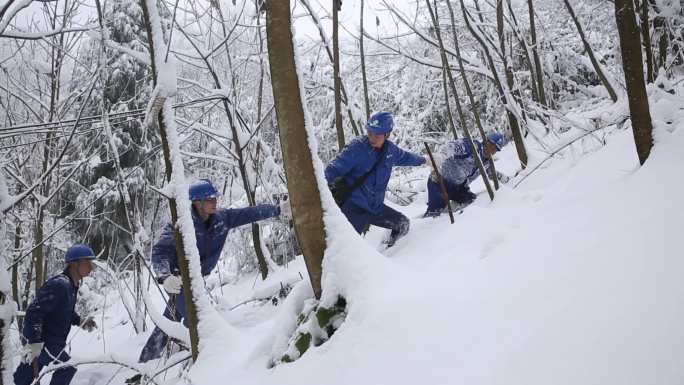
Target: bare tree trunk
469, 91
526, 56
646, 41
452, 83
447, 104
165, 108
336, 75
301, 179
632, 63
590, 52
328, 50
660, 30
15, 266
363, 66
515, 130
512, 120
539, 72
38, 252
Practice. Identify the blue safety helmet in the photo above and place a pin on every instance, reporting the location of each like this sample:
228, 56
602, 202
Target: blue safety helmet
201, 190
496, 138
380, 123
79, 252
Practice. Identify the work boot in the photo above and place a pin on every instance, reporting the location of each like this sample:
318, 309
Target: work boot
135, 380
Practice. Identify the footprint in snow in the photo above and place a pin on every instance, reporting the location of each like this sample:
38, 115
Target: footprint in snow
492, 244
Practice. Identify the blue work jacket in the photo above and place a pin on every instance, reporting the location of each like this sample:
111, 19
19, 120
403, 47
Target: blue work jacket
211, 236
459, 166
50, 316
357, 158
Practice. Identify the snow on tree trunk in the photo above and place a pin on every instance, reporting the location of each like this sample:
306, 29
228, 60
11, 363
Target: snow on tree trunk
301, 178
632, 62
161, 107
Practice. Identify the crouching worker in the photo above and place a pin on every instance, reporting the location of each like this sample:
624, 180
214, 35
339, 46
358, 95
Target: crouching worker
458, 168
50, 317
358, 178
211, 229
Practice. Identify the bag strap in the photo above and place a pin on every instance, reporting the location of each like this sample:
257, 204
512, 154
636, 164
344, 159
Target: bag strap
359, 181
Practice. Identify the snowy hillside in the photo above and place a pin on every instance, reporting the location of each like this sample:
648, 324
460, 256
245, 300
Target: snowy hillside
573, 277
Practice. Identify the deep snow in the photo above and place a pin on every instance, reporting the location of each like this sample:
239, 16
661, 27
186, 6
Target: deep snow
574, 277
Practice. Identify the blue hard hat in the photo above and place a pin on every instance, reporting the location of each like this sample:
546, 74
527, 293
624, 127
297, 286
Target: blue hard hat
79, 252
496, 138
202, 189
380, 123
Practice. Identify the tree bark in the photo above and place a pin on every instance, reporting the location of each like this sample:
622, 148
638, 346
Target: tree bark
363, 66
539, 72
515, 129
336, 76
15, 267
590, 53
632, 64
447, 104
166, 108
328, 50
301, 178
646, 41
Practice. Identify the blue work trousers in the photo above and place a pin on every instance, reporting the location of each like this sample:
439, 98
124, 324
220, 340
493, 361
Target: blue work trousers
458, 193
175, 311
388, 218
50, 354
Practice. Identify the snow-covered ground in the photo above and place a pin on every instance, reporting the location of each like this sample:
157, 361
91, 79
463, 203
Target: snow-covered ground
573, 277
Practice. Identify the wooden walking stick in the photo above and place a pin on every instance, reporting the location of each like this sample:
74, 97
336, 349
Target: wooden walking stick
440, 180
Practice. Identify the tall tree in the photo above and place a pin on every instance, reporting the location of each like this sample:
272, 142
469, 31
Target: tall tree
162, 114
508, 72
301, 178
366, 101
632, 63
539, 72
590, 53
645, 25
336, 74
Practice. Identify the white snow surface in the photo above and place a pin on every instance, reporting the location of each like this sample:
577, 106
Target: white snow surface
574, 277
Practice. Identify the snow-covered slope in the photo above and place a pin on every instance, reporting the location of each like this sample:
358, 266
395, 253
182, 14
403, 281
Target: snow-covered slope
574, 277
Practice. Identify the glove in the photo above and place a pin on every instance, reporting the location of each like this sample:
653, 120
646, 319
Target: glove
172, 284
438, 160
89, 324
285, 209
32, 351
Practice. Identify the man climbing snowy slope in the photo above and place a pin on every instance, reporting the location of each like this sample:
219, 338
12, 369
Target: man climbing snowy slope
211, 229
49, 319
359, 175
458, 168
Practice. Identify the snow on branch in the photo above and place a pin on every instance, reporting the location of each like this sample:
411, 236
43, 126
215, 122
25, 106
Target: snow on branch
43, 34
